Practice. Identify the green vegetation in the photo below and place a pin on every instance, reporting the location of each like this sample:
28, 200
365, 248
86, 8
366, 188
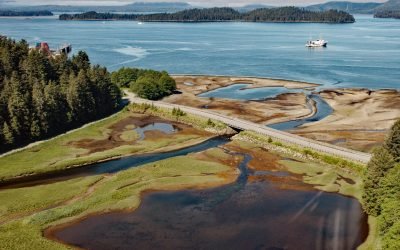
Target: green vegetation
390, 9
189, 119
326, 178
388, 14
42, 96
304, 152
148, 84
60, 152
381, 197
281, 14
25, 13
119, 191
17, 202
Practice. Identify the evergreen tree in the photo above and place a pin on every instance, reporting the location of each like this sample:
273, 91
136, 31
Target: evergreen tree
41, 96
393, 141
8, 134
80, 98
19, 110
81, 61
378, 166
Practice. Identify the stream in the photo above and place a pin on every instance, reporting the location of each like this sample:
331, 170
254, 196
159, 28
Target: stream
111, 166
261, 210
240, 91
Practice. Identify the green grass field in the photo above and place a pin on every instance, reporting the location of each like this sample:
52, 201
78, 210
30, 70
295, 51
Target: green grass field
24, 219
56, 154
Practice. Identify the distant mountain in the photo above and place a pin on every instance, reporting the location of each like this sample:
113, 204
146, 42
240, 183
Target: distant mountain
251, 7
389, 5
134, 7
359, 8
390, 9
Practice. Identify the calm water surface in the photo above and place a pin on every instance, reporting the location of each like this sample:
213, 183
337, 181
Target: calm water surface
273, 211
363, 54
242, 92
157, 126
112, 166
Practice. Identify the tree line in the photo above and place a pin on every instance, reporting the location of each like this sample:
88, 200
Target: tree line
282, 14
42, 96
388, 14
381, 196
25, 13
148, 84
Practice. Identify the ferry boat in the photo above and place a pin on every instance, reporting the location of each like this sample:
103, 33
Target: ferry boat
317, 43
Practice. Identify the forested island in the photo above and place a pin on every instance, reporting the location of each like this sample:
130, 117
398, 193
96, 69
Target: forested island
388, 14
11, 13
282, 14
42, 96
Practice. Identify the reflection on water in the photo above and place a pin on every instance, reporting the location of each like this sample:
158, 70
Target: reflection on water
274, 212
242, 91
157, 126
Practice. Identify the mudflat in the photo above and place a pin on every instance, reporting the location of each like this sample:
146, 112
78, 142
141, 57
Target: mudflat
360, 120
283, 107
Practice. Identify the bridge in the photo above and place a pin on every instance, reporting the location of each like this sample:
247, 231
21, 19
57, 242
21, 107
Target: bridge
241, 124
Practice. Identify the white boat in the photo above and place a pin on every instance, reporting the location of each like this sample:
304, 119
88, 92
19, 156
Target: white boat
317, 43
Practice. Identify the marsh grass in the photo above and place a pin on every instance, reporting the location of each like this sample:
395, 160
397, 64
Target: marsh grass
117, 192
59, 154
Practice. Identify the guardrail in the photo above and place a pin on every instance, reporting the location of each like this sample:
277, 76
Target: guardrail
277, 134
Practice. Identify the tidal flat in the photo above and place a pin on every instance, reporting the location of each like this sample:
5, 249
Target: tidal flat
230, 169
359, 117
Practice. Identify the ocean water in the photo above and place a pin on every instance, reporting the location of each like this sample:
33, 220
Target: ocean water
363, 54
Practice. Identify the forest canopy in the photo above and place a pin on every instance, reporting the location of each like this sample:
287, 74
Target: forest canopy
42, 96
149, 84
381, 197
282, 14
388, 14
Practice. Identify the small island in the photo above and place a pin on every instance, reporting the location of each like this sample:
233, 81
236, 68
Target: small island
282, 14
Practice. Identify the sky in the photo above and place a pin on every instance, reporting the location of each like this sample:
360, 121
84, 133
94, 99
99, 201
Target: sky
193, 2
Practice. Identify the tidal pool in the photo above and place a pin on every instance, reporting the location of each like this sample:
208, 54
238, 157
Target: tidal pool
322, 110
242, 91
166, 128
261, 210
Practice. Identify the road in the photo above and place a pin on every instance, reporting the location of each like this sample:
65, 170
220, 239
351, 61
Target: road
273, 133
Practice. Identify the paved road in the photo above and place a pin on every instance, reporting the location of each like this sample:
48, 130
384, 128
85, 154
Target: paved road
251, 126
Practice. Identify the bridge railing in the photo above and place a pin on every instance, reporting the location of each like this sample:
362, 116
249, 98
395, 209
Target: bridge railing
273, 133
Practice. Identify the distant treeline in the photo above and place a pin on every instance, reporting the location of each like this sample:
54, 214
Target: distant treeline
25, 13
388, 14
283, 14
42, 96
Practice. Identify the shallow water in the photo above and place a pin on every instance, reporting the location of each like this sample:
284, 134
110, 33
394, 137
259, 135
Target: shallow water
363, 54
111, 166
272, 213
323, 110
241, 92
166, 128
